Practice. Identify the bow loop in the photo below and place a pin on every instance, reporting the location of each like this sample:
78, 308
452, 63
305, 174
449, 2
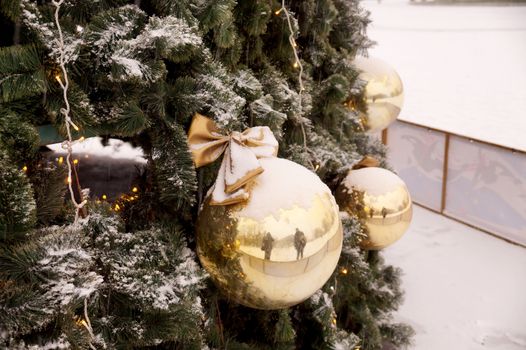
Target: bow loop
240, 162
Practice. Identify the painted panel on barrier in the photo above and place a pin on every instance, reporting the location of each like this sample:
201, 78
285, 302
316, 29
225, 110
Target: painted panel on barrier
417, 155
486, 187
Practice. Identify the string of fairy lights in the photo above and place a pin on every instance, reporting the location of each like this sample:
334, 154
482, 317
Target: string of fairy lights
67, 144
297, 64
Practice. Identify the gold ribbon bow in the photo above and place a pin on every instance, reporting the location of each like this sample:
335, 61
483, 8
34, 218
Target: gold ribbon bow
240, 163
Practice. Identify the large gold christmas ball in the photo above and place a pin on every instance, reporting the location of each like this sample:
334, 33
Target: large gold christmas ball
382, 200
279, 247
384, 93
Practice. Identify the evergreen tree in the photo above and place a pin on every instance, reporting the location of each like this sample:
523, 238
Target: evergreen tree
127, 276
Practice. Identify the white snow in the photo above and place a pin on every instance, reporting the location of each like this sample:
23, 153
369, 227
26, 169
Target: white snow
463, 67
241, 158
175, 31
132, 67
376, 181
225, 109
282, 185
116, 148
464, 289
245, 80
60, 343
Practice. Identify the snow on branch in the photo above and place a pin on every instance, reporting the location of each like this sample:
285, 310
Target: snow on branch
149, 268
48, 34
67, 267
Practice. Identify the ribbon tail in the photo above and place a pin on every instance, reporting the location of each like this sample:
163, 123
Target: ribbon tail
241, 167
219, 194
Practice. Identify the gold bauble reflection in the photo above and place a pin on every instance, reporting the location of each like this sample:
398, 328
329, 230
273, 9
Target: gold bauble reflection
384, 93
379, 198
278, 248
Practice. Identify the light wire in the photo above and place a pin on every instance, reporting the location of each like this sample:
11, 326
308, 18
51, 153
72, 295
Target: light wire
68, 144
297, 64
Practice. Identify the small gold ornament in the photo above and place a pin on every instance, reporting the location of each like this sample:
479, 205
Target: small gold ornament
381, 199
277, 248
384, 93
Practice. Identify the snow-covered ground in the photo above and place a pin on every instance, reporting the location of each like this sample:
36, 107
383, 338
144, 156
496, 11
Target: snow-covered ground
463, 67
464, 71
464, 289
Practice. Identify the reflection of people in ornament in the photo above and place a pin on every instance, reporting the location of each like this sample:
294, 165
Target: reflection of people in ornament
384, 212
268, 242
299, 243
371, 213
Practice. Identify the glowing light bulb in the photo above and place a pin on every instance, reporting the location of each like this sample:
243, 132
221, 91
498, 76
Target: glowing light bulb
277, 12
60, 160
75, 161
80, 321
69, 179
117, 207
57, 77
344, 271
296, 64
135, 189
24, 168
104, 197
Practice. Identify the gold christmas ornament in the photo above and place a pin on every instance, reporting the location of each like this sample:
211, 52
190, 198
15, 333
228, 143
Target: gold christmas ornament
277, 248
381, 199
384, 93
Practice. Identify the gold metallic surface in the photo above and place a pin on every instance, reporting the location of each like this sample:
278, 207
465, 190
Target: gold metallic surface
274, 261
384, 93
381, 200
366, 162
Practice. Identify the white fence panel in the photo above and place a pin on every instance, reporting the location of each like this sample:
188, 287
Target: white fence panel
486, 187
417, 155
